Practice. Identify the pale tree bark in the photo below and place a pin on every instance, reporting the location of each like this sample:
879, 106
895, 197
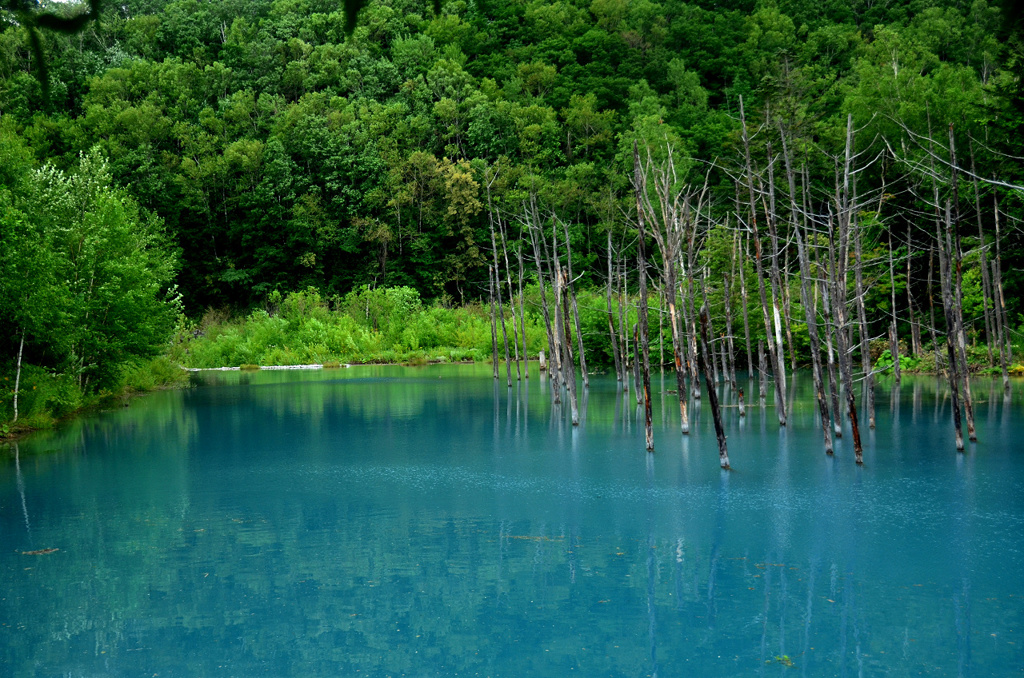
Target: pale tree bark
575, 307
17, 374
865, 336
1000, 307
497, 286
511, 300
746, 315
894, 344
562, 323
553, 346
611, 318
494, 328
774, 275
830, 332
915, 326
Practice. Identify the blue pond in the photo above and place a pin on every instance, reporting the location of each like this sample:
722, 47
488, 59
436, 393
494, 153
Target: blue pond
389, 521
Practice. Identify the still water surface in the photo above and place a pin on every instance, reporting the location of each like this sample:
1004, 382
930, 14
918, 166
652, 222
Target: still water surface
388, 521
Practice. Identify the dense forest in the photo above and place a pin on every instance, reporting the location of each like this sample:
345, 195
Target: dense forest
837, 169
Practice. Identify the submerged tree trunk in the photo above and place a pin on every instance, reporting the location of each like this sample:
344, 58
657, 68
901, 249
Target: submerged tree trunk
953, 225
830, 332
569, 375
716, 412
642, 307
947, 307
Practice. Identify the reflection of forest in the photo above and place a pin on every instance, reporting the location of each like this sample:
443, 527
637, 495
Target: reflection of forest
391, 522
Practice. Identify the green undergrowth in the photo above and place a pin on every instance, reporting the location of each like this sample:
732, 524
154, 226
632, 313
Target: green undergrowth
47, 397
383, 325
925, 363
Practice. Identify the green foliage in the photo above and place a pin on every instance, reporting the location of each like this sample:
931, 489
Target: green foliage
886, 365
368, 325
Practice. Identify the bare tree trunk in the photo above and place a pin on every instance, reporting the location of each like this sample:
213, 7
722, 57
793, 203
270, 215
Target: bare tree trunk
552, 340
728, 317
677, 345
953, 223
779, 366
716, 412
746, 317
624, 337
494, 327
501, 310
762, 370
931, 303
947, 307
1000, 307
915, 326
575, 308
611, 318
637, 380
17, 374
787, 315
830, 332
522, 312
642, 308
511, 301
569, 375
865, 335
810, 313
986, 282
894, 344
846, 209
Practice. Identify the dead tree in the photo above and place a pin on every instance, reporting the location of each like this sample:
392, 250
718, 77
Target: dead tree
613, 336
810, 313
716, 411
947, 307
638, 185
668, 220
953, 224
497, 281
865, 337
574, 306
845, 206
533, 226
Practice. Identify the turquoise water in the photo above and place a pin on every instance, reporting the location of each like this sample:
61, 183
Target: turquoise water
388, 521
